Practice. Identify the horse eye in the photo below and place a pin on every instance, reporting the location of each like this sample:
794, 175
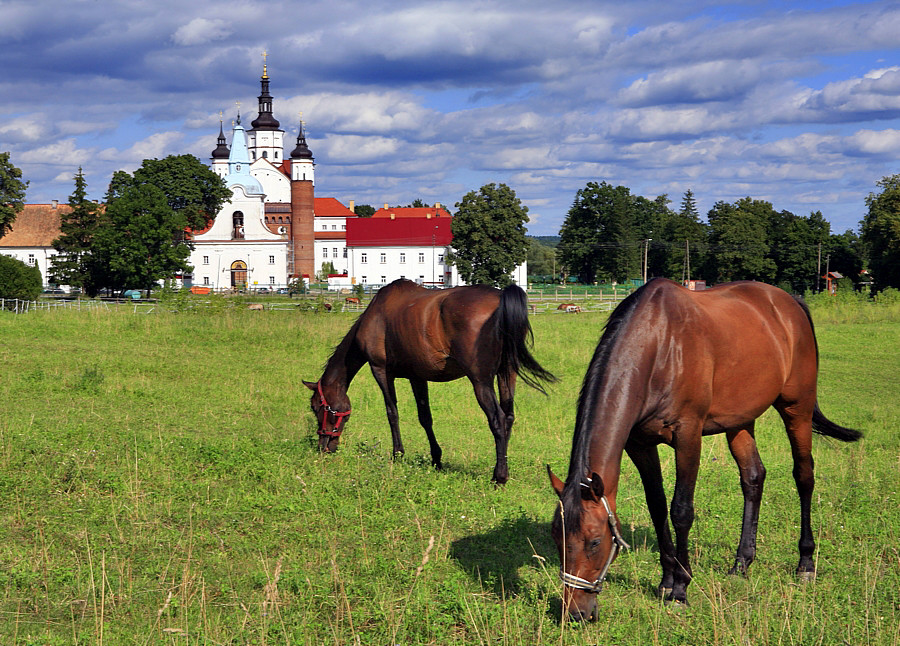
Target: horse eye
594, 544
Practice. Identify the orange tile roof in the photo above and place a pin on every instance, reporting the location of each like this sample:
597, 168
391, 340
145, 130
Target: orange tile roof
36, 226
329, 207
400, 212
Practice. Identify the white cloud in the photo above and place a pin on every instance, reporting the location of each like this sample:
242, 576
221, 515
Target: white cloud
200, 31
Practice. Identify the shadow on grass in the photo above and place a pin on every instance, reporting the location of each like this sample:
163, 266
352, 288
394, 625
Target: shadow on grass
494, 557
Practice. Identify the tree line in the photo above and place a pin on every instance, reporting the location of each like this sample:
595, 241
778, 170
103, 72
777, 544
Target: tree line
610, 234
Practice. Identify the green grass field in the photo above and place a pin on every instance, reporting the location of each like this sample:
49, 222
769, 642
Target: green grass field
160, 484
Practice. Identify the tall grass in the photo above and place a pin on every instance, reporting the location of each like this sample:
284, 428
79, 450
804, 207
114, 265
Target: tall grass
160, 483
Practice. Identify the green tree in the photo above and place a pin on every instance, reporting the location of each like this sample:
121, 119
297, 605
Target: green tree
739, 239
687, 240
845, 254
794, 248
364, 210
18, 279
489, 235
12, 193
74, 265
880, 230
541, 260
598, 238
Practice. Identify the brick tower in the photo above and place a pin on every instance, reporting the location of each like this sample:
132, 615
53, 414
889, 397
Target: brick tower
301, 256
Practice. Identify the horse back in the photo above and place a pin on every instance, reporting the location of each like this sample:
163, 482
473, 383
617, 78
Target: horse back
728, 353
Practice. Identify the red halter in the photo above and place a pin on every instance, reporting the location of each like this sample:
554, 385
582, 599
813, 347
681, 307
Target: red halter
338, 416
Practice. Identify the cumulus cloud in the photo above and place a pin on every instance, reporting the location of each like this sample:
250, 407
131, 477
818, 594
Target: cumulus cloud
200, 31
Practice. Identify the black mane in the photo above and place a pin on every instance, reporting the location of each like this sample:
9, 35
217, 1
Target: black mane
593, 379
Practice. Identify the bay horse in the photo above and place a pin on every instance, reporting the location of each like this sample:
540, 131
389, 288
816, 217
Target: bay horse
672, 366
423, 335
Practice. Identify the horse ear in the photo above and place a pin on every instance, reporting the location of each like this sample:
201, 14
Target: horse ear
596, 487
555, 482
310, 384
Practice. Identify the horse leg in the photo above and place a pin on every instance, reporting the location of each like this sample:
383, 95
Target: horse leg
506, 385
743, 449
687, 465
487, 399
386, 383
420, 391
799, 431
646, 459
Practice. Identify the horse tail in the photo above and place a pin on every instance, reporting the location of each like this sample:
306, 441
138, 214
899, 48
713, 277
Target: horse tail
821, 424
516, 335
824, 426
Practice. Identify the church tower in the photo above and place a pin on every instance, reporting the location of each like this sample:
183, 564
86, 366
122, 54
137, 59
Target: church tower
265, 140
219, 157
301, 256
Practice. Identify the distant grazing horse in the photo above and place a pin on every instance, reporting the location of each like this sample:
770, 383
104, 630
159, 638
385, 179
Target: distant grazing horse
672, 366
569, 308
425, 335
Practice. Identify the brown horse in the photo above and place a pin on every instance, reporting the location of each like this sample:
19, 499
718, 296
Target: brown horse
672, 366
425, 335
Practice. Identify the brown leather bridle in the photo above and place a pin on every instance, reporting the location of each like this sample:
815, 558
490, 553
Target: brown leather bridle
339, 416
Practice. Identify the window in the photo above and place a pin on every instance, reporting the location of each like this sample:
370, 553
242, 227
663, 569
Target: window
276, 154
265, 155
383, 259
440, 257
363, 257
345, 252
364, 280
383, 280
402, 257
334, 227
271, 260
334, 251
205, 260
421, 256
324, 252
206, 280
271, 280
343, 227
31, 259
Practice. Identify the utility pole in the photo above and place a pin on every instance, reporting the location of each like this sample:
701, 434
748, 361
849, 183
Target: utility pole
819, 270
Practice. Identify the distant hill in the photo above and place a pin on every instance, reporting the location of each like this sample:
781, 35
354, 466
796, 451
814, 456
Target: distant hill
547, 241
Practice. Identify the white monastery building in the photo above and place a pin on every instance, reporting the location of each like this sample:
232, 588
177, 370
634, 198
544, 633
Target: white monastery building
274, 229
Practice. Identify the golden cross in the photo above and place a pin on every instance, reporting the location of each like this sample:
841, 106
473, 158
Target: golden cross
265, 56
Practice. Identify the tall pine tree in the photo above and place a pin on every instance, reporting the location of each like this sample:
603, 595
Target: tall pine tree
74, 264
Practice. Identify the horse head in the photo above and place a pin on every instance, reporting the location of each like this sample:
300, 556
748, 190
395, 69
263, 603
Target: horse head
331, 406
587, 536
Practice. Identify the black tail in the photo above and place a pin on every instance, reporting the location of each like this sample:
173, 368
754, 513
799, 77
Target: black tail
821, 424
515, 336
825, 426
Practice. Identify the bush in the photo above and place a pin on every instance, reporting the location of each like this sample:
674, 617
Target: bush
19, 280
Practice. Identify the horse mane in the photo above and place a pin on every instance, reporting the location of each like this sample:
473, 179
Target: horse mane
579, 462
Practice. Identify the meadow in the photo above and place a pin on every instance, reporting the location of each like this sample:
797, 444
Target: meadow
160, 484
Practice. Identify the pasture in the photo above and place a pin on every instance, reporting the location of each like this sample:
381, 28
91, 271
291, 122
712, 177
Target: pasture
160, 484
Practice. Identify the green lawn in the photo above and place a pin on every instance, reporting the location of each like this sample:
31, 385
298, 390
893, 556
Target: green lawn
160, 484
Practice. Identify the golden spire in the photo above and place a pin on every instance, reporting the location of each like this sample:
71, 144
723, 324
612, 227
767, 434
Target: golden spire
265, 56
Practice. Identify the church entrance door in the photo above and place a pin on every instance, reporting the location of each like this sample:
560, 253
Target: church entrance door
239, 274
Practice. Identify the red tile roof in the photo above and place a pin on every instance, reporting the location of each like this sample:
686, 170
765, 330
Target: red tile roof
36, 226
329, 207
402, 232
411, 212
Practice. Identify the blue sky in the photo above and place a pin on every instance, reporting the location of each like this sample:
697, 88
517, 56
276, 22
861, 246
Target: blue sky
794, 103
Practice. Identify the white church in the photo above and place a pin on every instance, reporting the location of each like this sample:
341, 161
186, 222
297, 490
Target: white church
275, 230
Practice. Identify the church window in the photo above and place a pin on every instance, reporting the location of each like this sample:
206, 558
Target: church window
265, 154
237, 224
237, 167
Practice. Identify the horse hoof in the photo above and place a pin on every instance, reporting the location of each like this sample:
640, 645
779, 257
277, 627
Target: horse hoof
663, 593
806, 576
